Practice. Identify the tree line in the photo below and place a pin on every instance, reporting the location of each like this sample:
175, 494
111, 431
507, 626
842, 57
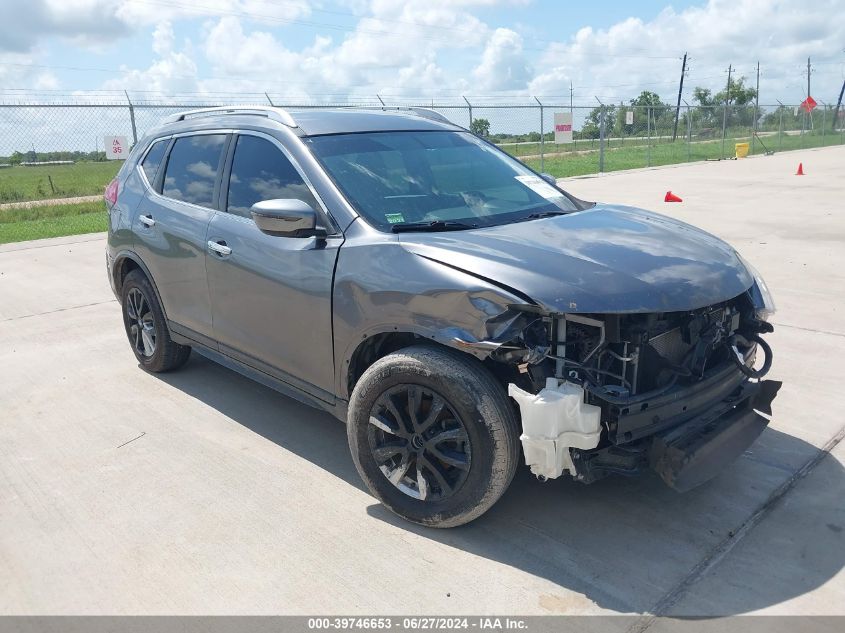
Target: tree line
16, 158
650, 112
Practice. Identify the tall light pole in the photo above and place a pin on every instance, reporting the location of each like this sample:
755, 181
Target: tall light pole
680, 90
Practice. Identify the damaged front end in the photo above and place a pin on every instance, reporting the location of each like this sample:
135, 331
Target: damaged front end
680, 392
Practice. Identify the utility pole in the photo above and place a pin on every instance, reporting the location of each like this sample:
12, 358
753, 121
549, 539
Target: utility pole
808, 77
680, 90
756, 108
570, 97
725, 113
805, 113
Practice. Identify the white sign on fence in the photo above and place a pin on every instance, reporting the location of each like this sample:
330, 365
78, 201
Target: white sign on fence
629, 117
116, 147
563, 127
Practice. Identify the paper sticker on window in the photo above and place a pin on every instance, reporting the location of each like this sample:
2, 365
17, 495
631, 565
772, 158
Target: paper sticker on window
539, 186
394, 218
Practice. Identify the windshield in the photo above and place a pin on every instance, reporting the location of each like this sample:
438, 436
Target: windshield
453, 179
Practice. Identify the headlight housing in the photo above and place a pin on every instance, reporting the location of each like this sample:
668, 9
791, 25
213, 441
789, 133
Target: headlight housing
764, 303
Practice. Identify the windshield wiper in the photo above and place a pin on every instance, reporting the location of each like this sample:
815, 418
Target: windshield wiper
544, 214
436, 225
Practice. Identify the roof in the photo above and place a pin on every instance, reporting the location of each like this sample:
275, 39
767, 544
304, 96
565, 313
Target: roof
315, 122
321, 121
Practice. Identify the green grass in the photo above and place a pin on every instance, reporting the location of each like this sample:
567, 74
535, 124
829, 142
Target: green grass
19, 225
666, 153
20, 183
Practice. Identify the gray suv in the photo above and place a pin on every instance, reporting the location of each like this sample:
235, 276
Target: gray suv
456, 309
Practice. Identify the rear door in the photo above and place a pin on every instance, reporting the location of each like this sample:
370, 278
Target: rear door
270, 295
171, 227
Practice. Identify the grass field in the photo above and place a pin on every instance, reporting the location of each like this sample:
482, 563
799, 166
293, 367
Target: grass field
635, 156
55, 181
35, 223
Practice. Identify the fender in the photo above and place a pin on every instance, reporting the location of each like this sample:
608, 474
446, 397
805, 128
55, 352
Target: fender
119, 259
434, 301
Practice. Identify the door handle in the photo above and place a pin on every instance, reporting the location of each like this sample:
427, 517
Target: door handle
219, 247
147, 220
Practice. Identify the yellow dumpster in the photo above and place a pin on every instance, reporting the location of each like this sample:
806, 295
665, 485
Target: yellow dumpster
741, 150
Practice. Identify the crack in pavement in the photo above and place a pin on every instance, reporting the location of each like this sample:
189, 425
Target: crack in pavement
16, 247
715, 555
143, 433
809, 329
84, 305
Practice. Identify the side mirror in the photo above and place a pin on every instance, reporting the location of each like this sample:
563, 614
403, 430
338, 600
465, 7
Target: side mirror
287, 217
549, 179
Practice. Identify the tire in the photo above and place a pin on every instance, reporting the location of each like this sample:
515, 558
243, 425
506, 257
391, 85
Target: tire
481, 452
146, 327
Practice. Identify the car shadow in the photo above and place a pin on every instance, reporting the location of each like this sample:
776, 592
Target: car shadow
623, 543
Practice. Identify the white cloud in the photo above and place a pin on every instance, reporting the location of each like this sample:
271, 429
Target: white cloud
503, 64
436, 48
394, 49
16, 69
163, 39
91, 23
25, 23
634, 55
172, 70
146, 12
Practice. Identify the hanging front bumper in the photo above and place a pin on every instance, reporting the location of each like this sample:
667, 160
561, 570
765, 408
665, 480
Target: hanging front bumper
698, 450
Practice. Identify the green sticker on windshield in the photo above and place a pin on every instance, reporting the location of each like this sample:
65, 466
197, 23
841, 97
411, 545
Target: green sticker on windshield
394, 218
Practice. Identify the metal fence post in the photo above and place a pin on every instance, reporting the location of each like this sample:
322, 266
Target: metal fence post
601, 138
724, 128
648, 141
542, 138
689, 132
780, 128
824, 120
131, 118
803, 125
469, 107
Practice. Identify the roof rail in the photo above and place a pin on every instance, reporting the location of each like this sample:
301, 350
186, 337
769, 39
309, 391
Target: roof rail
428, 113
276, 114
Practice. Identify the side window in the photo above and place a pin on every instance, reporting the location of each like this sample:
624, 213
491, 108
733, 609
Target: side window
153, 159
260, 171
192, 168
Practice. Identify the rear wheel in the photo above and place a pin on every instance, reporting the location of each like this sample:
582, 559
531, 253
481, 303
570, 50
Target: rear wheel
146, 327
433, 435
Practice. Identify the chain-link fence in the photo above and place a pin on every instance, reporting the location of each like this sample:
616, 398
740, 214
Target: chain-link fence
34, 138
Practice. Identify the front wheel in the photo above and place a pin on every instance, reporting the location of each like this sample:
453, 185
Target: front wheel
433, 435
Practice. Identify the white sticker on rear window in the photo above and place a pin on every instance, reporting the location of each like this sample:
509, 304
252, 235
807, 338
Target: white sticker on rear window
539, 186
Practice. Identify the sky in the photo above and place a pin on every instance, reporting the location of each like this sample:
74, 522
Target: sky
347, 50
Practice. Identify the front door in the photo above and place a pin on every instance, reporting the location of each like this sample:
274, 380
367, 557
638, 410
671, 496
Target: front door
271, 296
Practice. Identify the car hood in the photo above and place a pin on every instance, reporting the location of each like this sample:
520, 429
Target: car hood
609, 259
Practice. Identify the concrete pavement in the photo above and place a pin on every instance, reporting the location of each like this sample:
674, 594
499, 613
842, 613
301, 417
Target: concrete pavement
201, 492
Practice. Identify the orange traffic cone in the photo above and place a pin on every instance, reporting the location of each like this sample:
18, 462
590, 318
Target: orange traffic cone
671, 197
800, 171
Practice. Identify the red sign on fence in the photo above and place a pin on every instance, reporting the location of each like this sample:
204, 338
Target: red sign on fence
808, 104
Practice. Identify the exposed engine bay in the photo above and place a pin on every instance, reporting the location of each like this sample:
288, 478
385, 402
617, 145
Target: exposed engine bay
637, 378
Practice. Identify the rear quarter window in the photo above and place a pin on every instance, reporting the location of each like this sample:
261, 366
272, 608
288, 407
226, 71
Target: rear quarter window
152, 161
